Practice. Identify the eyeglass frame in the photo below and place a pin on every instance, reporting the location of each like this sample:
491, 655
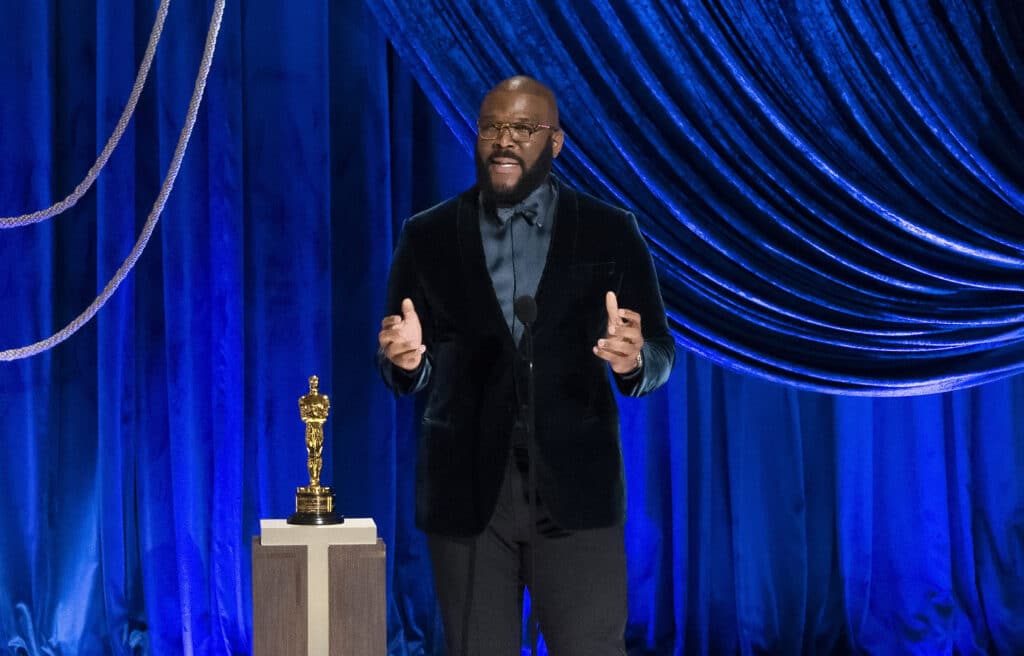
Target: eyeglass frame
501, 127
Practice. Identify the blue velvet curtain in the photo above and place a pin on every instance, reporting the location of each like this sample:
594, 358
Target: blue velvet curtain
831, 191
834, 191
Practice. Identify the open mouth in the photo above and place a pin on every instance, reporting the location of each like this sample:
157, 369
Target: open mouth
504, 164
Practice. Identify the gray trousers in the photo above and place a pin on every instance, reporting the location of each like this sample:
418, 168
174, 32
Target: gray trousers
579, 586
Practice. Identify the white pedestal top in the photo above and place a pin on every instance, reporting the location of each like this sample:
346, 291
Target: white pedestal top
355, 530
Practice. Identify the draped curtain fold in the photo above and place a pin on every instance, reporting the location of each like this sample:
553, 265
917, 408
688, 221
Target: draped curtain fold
832, 192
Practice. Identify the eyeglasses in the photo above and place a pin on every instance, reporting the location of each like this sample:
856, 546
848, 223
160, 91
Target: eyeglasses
521, 132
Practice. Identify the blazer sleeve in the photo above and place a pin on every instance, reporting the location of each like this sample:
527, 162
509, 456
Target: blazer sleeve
639, 291
404, 281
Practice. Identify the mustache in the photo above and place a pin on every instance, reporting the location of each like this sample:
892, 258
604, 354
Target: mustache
505, 154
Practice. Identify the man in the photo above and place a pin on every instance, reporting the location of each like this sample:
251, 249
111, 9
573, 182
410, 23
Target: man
502, 510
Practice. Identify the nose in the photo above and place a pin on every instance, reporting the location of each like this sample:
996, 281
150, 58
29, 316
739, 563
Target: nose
504, 139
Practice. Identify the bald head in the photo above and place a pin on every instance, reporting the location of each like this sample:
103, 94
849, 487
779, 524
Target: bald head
527, 86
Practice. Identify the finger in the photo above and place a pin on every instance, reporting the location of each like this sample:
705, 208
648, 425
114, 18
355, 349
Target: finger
407, 308
629, 333
621, 341
611, 304
393, 341
392, 332
391, 321
604, 355
629, 316
617, 362
395, 351
616, 348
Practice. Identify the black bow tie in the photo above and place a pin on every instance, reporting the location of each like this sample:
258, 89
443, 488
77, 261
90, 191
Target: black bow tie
527, 210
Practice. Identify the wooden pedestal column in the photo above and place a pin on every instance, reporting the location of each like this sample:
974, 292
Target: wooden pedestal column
318, 590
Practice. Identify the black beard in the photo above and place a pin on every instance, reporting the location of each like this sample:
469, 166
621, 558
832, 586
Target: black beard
531, 178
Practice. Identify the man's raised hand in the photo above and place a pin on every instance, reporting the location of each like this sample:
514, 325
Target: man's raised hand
401, 337
624, 338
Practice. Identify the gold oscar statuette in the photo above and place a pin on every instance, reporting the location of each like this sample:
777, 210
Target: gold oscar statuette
314, 503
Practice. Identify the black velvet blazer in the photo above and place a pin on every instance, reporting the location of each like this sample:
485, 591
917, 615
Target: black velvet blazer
471, 404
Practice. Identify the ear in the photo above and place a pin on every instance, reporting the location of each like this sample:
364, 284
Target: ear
557, 137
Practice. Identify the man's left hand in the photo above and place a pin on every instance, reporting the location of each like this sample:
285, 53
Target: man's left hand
624, 339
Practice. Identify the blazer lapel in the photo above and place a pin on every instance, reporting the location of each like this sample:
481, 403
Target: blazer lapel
479, 288
555, 279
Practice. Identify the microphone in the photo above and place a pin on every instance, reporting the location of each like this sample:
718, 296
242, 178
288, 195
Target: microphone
526, 309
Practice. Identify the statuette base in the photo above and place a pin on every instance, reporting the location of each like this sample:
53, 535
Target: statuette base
315, 506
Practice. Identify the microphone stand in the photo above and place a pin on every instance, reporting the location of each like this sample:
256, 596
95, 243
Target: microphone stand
525, 308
